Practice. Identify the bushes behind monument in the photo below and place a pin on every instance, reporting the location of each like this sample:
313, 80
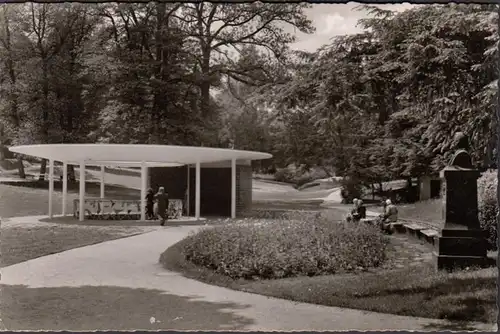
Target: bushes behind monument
488, 205
286, 248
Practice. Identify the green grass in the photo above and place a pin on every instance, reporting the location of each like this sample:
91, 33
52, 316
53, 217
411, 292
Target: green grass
18, 201
89, 308
428, 211
19, 244
414, 290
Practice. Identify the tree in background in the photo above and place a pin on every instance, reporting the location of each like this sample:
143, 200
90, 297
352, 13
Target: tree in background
385, 103
379, 105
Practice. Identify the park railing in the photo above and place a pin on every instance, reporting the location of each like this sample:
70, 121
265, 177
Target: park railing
120, 209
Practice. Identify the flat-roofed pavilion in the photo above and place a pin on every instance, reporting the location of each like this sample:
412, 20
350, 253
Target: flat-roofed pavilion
133, 155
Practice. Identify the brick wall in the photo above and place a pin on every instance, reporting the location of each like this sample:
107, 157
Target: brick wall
215, 187
243, 189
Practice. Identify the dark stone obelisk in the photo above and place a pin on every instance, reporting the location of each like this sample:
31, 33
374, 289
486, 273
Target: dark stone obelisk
462, 242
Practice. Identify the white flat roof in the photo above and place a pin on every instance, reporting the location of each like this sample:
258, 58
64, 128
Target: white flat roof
132, 155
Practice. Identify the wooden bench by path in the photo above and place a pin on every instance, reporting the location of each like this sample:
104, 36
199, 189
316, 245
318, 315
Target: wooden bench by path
415, 230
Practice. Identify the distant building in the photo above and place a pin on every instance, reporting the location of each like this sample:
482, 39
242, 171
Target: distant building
430, 187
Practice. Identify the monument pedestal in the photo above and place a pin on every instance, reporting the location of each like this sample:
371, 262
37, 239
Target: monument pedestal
458, 249
462, 242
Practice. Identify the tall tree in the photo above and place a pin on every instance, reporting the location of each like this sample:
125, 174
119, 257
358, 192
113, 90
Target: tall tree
222, 30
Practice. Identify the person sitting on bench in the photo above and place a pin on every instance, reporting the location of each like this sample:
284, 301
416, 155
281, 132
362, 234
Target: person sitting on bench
361, 210
354, 214
390, 215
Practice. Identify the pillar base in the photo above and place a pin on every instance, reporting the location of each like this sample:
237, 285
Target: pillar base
459, 249
456, 262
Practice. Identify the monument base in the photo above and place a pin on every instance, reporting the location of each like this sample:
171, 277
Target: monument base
455, 262
462, 248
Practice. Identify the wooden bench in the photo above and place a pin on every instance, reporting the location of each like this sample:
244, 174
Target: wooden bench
115, 209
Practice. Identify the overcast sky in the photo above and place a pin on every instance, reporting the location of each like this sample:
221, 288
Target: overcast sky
331, 20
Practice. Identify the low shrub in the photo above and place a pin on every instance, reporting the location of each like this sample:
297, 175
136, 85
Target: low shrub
311, 175
299, 175
283, 214
488, 206
286, 248
286, 174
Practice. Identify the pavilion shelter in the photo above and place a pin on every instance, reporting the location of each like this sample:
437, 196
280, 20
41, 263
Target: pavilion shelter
145, 157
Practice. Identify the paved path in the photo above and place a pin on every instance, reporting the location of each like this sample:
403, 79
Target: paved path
133, 263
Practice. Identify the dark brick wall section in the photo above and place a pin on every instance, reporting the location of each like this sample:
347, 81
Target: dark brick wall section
243, 189
215, 194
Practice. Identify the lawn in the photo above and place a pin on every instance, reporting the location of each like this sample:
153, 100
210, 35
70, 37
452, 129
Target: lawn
427, 211
22, 243
19, 200
406, 288
19, 244
90, 308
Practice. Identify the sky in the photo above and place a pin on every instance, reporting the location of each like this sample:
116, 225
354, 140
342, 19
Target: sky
334, 19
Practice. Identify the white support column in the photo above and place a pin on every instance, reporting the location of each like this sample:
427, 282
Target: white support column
233, 188
51, 185
197, 199
64, 188
188, 193
82, 191
144, 184
103, 169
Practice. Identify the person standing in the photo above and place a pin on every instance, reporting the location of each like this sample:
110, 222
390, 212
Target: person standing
162, 204
150, 201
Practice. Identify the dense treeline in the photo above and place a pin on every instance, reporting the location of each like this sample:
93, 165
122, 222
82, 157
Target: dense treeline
385, 103
381, 104
133, 73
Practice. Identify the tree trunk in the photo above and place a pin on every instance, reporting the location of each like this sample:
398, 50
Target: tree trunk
205, 84
43, 169
45, 102
20, 167
2, 146
71, 173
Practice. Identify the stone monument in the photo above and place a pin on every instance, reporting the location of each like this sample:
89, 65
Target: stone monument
462, 242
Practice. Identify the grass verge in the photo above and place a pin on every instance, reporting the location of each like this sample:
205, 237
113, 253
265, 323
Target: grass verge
412, 291
20, 200
19, 244
90, 308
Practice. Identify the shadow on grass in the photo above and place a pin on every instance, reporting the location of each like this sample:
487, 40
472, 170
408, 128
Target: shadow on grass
70, 220
450, 326
112, 308
465, 298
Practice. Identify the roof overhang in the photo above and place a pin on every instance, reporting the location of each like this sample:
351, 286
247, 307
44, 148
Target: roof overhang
135, 155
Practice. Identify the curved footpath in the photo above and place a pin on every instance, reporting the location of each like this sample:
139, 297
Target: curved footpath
133, 263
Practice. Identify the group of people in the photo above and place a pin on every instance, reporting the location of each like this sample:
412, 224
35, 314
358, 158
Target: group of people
157, 205
389, 214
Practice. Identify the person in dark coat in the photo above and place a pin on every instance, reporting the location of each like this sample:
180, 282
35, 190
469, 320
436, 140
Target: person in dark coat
361, 210
162, 204
150, 201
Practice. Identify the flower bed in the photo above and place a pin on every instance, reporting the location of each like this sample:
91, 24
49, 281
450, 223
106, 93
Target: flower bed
286, 248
